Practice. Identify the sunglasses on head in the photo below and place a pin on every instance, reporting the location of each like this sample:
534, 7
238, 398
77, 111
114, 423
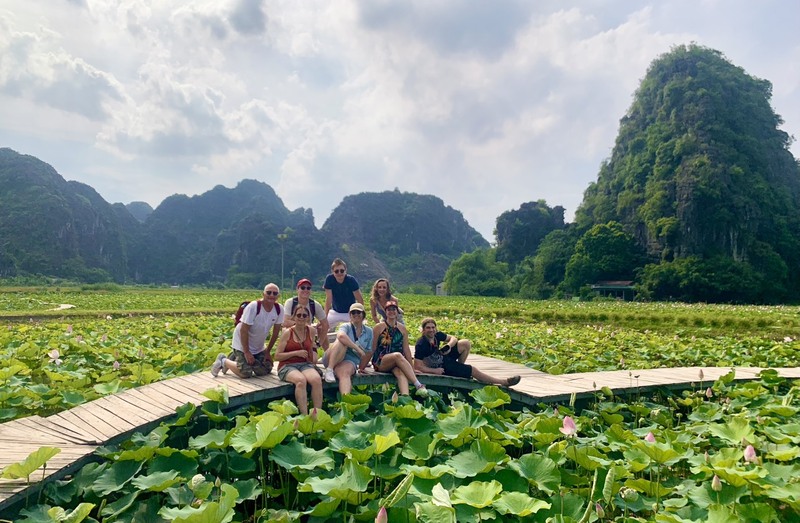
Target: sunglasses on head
340, 271
305, 287
271, 293
301, 315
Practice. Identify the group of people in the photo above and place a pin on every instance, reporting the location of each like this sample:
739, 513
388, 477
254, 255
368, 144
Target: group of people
302, 324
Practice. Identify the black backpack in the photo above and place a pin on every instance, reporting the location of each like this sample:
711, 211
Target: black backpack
311, 305
238, 316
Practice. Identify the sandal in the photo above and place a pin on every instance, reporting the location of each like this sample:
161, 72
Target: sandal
513, 380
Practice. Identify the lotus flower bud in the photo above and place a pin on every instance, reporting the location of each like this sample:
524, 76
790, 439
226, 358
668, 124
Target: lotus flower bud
709, 393
382, 516
395, 397
314, 414
750, 454
598, 508
196, 481
716, 484
700, 374
650, 438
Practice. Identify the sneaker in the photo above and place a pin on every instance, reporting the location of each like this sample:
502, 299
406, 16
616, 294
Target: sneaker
219, 365
513, 380
329, 376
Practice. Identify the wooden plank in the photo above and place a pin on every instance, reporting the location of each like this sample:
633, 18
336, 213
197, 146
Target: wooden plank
37, 424
163, 388
150, 396
145, 402
124, 411
98, 424
70, 419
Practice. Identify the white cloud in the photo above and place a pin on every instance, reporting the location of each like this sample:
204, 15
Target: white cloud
485, 104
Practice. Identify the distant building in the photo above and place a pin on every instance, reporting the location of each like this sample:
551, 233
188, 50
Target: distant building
622, 289
440, 289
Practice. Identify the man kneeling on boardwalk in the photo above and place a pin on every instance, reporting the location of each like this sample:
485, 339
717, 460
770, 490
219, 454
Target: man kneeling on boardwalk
440, 353
250, 356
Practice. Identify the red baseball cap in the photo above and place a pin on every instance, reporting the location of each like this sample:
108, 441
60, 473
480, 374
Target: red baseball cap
304, 281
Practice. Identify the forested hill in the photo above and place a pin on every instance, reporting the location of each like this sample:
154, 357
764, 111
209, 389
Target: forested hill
234, 237
411, 236
702, 178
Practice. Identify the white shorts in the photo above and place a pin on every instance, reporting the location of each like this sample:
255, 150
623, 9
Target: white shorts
336, 318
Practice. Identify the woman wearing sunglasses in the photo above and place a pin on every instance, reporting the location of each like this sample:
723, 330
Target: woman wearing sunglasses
391, 352
297, 357
351, 349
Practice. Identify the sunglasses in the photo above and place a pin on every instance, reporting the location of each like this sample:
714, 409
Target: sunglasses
355, 313
390, 309
305, 287
301, 315
271, 293
340, 271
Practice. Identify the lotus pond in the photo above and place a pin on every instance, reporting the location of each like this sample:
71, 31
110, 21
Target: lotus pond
726, 453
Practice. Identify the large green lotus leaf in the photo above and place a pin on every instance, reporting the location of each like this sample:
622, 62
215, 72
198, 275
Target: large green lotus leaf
214, 439
116, 476
736, 430
469, 514
661, 453
267, 432
491, 397
428, 512
478, 494
355, 445
112, 510
8, 413
649, 488
384, 443
325, 508
409, 411
356, 399
704, 496
213, 410
463, 420
282, 516
324, 422
619, 438
72, 398
427, 472
482, 456
218, 395
248, 489
786, 433
519, 504
386, 466
76, 515
782, 453
137, 454
739, 477
36, 514
154, 438
9, 371
721, 514
612, 419
29, 465
440, 496
285, 407
777, 472
399, 491
587, 457
760, 512
210, 512
784, 411
789, 493
420, 447
377, 425
185, 413
112, 387
354, 478
539, 470
294, 455
157, 482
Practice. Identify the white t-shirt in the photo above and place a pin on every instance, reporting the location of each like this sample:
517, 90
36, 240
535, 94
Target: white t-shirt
260, 327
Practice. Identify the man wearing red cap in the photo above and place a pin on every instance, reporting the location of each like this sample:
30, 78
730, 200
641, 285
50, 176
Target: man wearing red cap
317, 310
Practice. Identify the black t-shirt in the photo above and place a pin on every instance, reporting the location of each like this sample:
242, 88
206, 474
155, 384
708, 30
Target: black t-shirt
429, 353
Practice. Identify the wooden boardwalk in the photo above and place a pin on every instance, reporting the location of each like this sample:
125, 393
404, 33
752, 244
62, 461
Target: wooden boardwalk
79, 431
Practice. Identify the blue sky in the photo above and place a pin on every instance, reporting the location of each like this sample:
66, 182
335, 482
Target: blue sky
484, 104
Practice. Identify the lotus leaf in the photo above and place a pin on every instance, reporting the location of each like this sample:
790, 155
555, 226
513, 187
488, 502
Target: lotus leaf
649, 488
294, 455
440, 496
247, 489
491, 397
399, 491
461, 422
384, 443
208, 512
420, 447
427, 472
785, 433
738, 477
267, 432
661, 453
182, 461
410, 411
158, 481
428, 512
354, 478
782, 453
482, 456
478, 494
116, 476
218, 395
214, 438
76, 515
121, 505
30, 464
519, 504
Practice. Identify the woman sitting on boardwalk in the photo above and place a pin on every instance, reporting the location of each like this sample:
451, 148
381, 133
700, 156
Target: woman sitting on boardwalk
297, 355
391, 352
381, 294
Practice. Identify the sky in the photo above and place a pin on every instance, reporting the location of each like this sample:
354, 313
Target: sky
485, 104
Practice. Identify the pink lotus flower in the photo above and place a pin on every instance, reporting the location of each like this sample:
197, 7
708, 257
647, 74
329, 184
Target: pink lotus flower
116, 365
598, 508
650, 438
54, 357
314, 414
709, 393
569, 429
750, 454
69, 329
382, 517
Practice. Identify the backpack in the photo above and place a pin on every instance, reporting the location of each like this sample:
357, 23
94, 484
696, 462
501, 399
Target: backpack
295, 301
237, 318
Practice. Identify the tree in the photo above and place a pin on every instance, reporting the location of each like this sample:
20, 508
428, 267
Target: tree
520, 232
604, 252
539, 276
477, 274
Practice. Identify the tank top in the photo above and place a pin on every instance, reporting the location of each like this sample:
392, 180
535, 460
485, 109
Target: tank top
294, 344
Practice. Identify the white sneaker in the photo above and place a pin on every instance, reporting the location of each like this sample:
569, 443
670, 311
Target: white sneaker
219, 365
329, 376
